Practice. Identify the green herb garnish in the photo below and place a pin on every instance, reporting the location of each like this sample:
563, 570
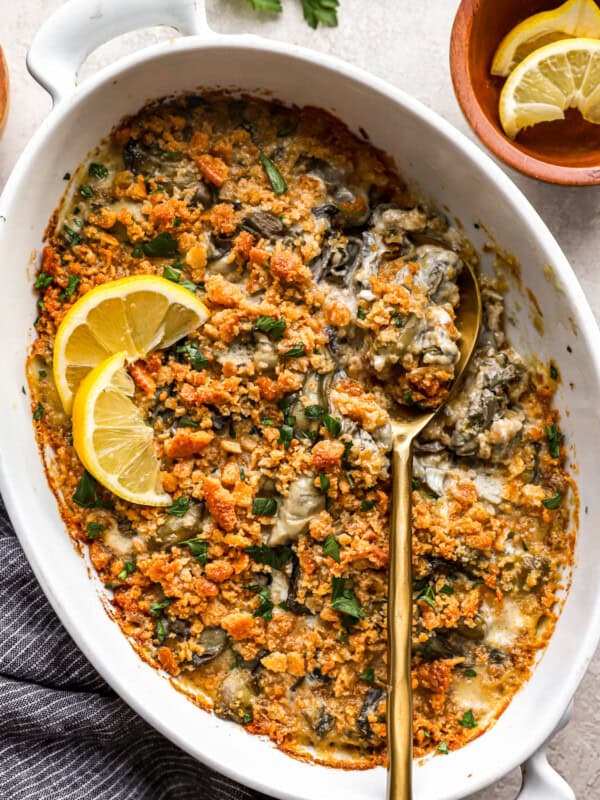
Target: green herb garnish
275, 557
553, 502
554, 438
67, 176
367, 505
333, 425
128, 568
553, 372
324, 482
156, 609
368, 675
275, 177
470, 673
94, 529
286, 434
171, 155
265, 608
179, 507
344, 600
171, 274
198, 548
85, 190
468, 720
39, 412
138, 251
163, 246
67, 293
242, 474
247, 715
429, 596
86, 492
43, 280
271, 326
408, 397
193, 352
443, 748
264, 506
97, 171
71, 237
446, 589
294, 352
332, 548
322, 12
313, 412
187, 421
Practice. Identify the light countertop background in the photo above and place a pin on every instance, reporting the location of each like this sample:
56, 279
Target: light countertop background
405, 42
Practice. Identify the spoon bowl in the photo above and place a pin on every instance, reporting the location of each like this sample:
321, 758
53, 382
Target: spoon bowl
406, 426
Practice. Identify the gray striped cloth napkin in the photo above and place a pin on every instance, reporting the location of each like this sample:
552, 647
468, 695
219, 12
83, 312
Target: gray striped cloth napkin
64, 734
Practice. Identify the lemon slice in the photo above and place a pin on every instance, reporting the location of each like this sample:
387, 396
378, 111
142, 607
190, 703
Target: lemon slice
111, 437
562, 75
136, 315
580, 18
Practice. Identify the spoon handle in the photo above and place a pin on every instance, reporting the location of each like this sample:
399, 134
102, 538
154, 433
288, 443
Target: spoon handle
399, 697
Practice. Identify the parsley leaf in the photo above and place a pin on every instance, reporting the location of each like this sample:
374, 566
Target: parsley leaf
313, 412
275, 557
470, 673
368, 675
324, 482
332, 548
86, 492
156, 609
553, 372
265, 608
67, 293
97, 171
344, 600
43, 280
71, 237
189, 422
94, 529
85, 190
553, 502
164, 246
193, 352
468, 720
429, 596
264, 506
446, 589
361, 313
179, 507
443, 748
554, 438
198, 548
275, 177
39, 412
128, 568
294, 352
271, 326
269, 6
367, 505
333, 425
286, 434
320, 11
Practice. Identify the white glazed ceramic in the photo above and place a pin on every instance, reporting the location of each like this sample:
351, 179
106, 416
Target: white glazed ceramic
448, 168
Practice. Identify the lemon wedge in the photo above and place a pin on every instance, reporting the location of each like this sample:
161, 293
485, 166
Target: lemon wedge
111, 437
136, 315
575, 18
561, 75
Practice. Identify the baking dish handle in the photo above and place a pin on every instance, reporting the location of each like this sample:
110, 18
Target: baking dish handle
540, 780
78, 27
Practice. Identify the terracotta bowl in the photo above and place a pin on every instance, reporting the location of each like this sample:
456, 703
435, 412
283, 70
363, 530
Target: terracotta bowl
3, 91
565, 151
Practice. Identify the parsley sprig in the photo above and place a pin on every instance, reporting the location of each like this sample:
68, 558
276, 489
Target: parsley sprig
316, 12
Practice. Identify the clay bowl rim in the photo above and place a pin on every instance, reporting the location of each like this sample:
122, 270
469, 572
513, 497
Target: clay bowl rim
499, 144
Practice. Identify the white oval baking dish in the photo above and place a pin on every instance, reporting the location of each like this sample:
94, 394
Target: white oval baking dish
447, 167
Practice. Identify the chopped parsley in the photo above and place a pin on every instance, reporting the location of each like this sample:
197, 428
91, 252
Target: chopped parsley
180, 507
399, 320
324, 482
265, 607
313, 412
264, 506
68, 292
39, 412
428, 595
187, 421
470, 673
361, 313
85, 190
242, 474
367, 505
67, 176
368, 675
443, 748
554, 438
408, 397
468, 720
97, 171
332, 548
171, 274
322, 12
295, 352
275, 177
287, 129
71, 237
274, 557
553, 502
171, 155
156, 609
553, 372
163, 246
344, 599
138, 251
446, 589
415, 483
94, 529
43, 280
286, 434
333, 425
193, 352
128, 568
198, 548
271, 326
247, 717
86, 492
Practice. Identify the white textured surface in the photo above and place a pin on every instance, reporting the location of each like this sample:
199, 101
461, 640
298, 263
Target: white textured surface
405, 42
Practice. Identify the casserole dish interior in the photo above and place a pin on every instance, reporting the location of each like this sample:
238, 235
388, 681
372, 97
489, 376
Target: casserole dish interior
459, 179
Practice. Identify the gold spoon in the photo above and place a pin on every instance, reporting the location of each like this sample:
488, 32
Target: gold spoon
405, 428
